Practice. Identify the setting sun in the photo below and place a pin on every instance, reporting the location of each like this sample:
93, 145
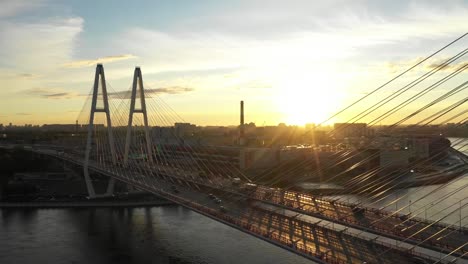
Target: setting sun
307, 97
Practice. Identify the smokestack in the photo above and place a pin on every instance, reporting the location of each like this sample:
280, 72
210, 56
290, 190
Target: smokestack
242, 132
242, 138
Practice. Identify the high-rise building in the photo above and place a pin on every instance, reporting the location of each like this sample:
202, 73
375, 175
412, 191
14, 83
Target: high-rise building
344, 130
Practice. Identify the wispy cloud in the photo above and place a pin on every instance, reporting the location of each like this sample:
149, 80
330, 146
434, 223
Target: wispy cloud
24, 114
88, 63
427, 65
51, 93
9, 74
28, 76
40, 46
148, 92
170, 90
450, 67
329, 41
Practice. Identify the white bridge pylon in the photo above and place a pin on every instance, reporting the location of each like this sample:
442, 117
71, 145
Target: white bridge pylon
99, 78
137, 89
138, 86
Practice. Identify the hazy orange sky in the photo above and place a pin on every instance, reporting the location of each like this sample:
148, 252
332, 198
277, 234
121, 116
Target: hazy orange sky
293, 62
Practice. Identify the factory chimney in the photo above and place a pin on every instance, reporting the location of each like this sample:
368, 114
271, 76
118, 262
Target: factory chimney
241, 127
242, 156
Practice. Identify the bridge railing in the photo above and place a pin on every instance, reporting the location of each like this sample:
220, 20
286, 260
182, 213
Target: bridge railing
289, 200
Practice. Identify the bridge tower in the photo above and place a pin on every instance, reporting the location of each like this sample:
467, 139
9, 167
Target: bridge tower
99, 78
138, 87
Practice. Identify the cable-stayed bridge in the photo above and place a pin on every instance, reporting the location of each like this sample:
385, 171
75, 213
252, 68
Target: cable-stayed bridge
119, 144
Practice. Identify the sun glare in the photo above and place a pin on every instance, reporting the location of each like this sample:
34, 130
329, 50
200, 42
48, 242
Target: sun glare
308, 97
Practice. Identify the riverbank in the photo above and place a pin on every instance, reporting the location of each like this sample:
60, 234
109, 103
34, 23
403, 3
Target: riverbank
457, 166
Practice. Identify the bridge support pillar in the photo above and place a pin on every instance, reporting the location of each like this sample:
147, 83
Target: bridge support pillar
99, 78
138, 83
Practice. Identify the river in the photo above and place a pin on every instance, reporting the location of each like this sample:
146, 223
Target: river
166, 234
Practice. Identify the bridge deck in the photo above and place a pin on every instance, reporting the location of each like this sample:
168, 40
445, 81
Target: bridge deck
314, 241
393, 225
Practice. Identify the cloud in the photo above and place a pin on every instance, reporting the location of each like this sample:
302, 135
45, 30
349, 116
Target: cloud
416, 29
396, 66
57, 95
51, 93
10, 74
108, 59
170, 90
430, 64
24, 114
28, 75
40, 46
450, 67
13, 7
149, 92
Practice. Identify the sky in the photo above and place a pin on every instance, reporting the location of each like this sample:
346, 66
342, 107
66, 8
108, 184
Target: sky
290, 61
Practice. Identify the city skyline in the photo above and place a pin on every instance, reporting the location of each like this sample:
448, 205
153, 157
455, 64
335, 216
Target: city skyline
292, 64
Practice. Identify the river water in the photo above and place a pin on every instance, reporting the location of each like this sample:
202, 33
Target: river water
166, 234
